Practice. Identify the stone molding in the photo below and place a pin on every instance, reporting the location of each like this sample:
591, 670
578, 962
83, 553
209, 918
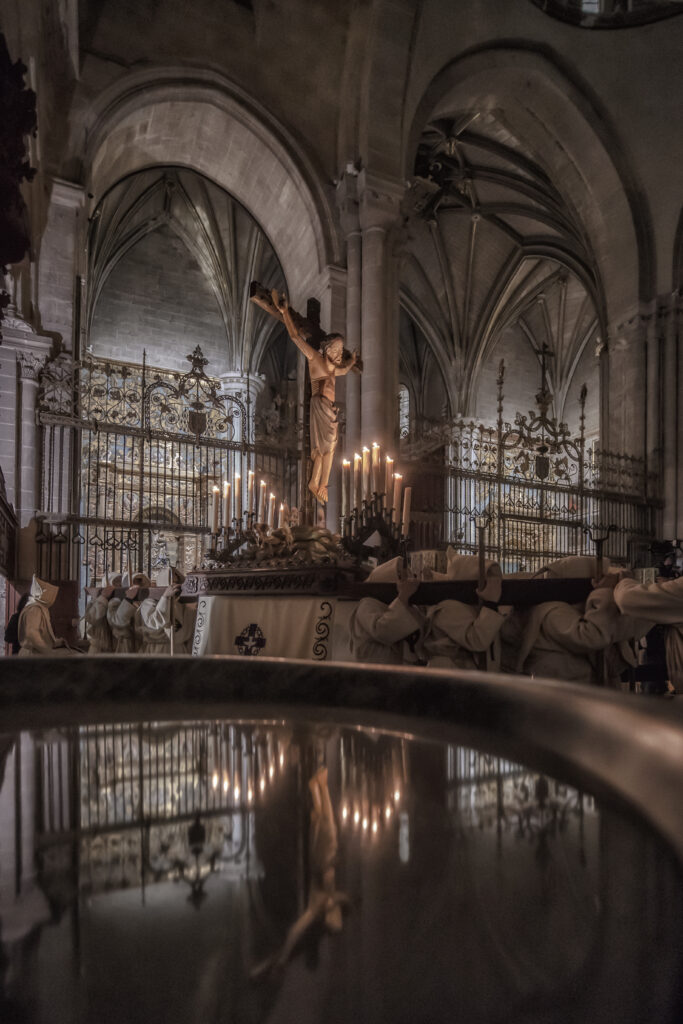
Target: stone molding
30, 365
379, 201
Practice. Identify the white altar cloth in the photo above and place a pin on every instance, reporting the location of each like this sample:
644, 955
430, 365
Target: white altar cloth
272, 625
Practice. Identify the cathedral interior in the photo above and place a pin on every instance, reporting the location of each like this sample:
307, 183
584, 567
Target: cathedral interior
434, 806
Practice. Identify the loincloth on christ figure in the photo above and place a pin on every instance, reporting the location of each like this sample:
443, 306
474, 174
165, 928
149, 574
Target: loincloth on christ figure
324, 426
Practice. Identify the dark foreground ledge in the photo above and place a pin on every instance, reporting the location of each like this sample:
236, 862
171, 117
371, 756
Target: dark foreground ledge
621, 747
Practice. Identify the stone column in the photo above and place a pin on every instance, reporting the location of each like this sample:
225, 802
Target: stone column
347, 200
379, 211
28, 448
668, 330
332, 296
246, 388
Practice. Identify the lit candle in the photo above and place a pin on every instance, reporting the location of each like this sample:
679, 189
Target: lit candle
271, 510
251, 507
396, 505
346, 481
407, 495
376, 454
226, 504
357, 480
388, 476
366, 474
281, 517
262, 503
214, 510
238, 496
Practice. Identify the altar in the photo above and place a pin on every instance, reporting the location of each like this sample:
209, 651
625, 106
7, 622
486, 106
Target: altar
278, 613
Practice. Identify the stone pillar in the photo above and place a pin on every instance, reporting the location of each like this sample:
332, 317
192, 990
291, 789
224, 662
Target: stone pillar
628, 388
668, 330
246, 387
28, 448
332, 296
379, 211
347, 200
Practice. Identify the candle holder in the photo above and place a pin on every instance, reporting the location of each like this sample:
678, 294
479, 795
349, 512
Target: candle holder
360, 524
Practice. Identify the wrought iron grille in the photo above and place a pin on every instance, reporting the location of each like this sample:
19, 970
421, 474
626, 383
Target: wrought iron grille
149, 445
543, 492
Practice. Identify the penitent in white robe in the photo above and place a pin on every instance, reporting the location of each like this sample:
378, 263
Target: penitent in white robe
561, 641
121, 619
153, 623
36, 635
462, 636
97, 628
378, 633
658, 603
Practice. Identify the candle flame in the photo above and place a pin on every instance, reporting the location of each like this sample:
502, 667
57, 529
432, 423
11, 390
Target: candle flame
397, 796
215, 489
374, 826
262, 784
226, 783
237, 792
214, 781
345, 812
365, 449
387, 813
357, 456
250, 795
345, 462
356, 817
365, 824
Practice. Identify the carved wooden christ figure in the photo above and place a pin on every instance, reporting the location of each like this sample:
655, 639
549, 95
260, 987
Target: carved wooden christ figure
324, 367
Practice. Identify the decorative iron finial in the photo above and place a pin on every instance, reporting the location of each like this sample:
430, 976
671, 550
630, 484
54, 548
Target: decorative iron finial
198, 361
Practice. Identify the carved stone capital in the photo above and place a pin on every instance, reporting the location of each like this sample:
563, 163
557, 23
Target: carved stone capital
235, 384
30, 365
379, 201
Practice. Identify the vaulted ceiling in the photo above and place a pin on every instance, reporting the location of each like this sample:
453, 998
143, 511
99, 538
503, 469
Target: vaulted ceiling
492, 243
222, 239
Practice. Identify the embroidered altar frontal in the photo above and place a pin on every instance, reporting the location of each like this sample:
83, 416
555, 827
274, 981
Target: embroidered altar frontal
280, 614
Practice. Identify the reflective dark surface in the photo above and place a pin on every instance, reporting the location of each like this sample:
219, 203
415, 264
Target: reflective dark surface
285, 871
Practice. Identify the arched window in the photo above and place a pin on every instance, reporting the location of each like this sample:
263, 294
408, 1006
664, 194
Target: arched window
403, 411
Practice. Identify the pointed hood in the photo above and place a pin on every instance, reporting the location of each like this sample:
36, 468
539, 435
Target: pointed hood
112, 579
387, 572
42, 593
576, 566
466, 567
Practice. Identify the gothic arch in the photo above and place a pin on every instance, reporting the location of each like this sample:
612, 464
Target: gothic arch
198, 119
565, 129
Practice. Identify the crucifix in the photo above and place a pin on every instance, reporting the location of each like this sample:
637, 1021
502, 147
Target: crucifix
327, 359
543, 396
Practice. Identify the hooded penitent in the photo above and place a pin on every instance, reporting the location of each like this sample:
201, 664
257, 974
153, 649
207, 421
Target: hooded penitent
36, 635
42, 593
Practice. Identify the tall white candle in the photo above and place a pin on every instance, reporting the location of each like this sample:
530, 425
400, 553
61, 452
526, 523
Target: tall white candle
226, 504
407, 497
388, 476
214, 510
271, 510
238, 496
281, 517
357, 480
262, 503
366, 474
346, 482
374, 473
251, 503
396, 504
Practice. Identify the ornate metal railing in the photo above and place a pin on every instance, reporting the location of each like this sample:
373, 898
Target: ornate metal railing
149, 445
542, 491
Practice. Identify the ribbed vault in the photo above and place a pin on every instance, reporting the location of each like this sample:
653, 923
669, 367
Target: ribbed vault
492, 244
226, 243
